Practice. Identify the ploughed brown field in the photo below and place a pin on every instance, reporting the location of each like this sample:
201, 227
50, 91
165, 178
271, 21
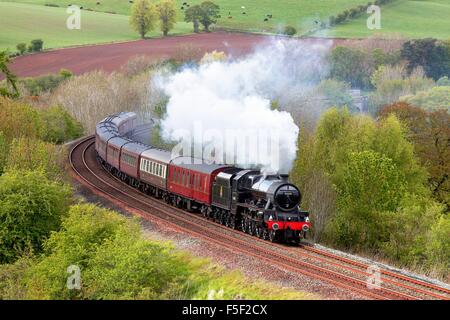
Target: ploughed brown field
110, 57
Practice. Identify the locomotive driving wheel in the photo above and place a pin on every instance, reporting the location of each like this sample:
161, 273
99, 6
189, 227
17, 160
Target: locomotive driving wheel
272, 235
252, 228
259, 232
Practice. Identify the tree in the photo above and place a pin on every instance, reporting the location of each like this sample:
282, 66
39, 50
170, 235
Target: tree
167, 15
36, 45
335, 92
209, 14
11, 78
429, 131
323, 163
143, 16
31, 206
350, 65
21, 47
431, 54
193, 14
393, 82
434, 99
371, 183
437, 248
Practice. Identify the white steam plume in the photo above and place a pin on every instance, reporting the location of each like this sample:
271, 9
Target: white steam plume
236, 95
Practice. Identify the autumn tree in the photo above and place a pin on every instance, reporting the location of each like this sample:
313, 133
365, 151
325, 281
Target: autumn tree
430, 133
143, 17
167, 15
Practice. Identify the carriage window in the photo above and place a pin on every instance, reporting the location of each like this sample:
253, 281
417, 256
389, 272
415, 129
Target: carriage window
188, 178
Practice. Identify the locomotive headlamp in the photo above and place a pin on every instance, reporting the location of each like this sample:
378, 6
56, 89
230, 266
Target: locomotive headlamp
305, 227
275, 226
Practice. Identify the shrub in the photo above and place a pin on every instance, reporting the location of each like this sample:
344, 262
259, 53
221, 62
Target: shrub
116, 262
32, 154
444, 81
4, 150
332, 20
31, 206
18, 120
59, 126
36, 45
289, 31
39, 85
213, 56
22, 48
66, 74
92, 96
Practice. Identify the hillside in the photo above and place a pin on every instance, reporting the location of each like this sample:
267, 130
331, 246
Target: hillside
406, 18
24, 22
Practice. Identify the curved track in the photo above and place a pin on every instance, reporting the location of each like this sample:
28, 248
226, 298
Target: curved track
339, 271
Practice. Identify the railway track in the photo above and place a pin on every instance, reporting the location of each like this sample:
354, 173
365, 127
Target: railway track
339, 271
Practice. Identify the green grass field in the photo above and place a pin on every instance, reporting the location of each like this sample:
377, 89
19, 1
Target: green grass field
24, 22
406, 18
298, 13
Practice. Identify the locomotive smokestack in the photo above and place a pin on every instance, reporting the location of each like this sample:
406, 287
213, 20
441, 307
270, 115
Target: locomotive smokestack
284, 177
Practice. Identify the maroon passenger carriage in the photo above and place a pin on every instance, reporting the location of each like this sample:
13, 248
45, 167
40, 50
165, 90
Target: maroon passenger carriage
264, 206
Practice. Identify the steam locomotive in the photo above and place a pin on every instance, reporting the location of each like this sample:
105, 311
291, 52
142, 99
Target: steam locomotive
266, 206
